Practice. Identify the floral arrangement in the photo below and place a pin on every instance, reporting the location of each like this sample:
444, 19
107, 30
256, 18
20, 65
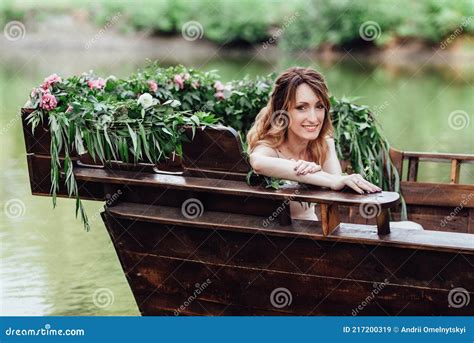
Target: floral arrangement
141, 118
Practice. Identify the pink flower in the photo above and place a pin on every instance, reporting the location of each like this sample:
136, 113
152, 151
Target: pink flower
48, 102
50, 80
69, 109
152, 86
179, 81
219, 95
186, 76
195, 84
98, 84
219, 87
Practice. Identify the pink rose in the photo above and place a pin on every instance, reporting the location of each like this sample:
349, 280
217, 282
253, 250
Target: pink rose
219, 95
50, 80
48, 102
218, 86
195, 84
98, 84
152, 86
179, 81
69, 109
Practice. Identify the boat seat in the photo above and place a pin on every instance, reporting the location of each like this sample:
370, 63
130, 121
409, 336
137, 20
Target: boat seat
406, 224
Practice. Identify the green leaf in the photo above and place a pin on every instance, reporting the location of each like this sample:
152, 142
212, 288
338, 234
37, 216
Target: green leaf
133, 136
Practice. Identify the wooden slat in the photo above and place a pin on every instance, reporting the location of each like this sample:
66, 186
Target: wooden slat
412, 169
439, 157
215, 148
39, 169
251, 289
336, 259
470, 226
436, 194
397, 159
383, 224
329, 218
366, 234
384, 199
455, 168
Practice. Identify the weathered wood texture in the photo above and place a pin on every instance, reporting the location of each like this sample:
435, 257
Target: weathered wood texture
164, 258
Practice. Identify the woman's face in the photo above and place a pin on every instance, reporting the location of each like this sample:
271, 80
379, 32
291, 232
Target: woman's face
307, 114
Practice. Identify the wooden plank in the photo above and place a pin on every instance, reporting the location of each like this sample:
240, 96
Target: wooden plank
397, 159
329, 218
383, 224
440, 221
439, 157
214, 148
412, 168
313, 194
366, 234
455, 169
437, 194
338, 259
39, 168
470, 226
252, 288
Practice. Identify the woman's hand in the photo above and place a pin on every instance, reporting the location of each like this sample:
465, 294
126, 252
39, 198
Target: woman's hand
357, 183
304, 167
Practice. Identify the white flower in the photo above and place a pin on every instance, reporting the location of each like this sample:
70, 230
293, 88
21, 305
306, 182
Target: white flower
146, 100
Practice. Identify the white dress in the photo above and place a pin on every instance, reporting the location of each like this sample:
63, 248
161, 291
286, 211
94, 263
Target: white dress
299, 210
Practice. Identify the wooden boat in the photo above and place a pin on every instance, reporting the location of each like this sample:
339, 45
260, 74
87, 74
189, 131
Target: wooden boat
198, 240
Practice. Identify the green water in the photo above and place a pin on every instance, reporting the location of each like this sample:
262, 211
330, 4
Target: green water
50, 266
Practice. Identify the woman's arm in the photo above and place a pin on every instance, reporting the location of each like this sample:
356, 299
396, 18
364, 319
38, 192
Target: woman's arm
265, 161
332, 164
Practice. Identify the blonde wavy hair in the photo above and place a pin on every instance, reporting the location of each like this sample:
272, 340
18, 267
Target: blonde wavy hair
283, 97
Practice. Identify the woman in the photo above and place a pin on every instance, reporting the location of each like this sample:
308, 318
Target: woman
291, 138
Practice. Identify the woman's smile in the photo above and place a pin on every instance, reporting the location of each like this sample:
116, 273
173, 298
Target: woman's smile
311, 128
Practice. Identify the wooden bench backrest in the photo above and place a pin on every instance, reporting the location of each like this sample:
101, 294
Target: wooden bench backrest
215, 152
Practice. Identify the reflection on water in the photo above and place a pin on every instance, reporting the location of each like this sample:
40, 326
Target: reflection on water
50, 266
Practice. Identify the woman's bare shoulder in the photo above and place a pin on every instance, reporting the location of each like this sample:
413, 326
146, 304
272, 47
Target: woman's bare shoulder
266, 150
